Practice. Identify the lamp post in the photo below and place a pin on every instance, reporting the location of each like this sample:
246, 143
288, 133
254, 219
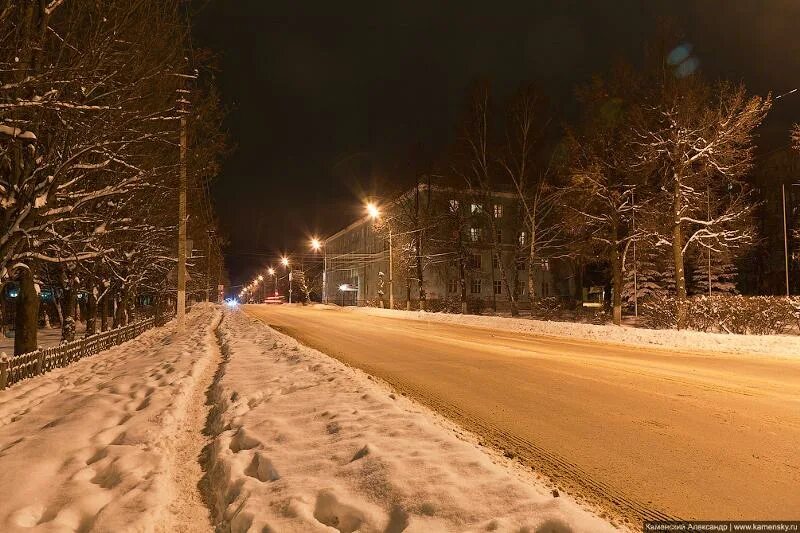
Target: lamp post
318, 245
271, 272
285, 263
260, 282
374, 212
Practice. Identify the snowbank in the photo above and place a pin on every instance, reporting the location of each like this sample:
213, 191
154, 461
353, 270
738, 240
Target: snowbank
776, 345
306, 443
91, 446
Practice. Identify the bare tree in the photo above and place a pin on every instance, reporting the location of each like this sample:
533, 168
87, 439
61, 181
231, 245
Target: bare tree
696, 140
542, 231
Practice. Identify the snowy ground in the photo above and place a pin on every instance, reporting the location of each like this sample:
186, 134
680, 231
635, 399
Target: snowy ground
111, 442
296, 441
776, 345
308, 444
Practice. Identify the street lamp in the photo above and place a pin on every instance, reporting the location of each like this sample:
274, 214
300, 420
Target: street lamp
271, 272
285, 263
374, 212
318, 245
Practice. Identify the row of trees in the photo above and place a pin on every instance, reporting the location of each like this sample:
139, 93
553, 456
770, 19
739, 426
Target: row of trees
658, 162
90, 108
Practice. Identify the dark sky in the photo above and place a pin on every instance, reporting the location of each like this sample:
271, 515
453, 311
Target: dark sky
327, 97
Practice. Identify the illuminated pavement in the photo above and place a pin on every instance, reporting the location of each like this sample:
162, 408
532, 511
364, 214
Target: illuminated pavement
644, 432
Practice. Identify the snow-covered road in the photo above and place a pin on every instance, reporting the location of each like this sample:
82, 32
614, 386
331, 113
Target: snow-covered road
641, 430
110, 443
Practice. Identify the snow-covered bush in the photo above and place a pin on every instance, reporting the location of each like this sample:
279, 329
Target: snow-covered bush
753, 315
549, 308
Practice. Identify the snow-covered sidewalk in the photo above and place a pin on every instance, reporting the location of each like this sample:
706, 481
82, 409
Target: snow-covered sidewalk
106, 443
306, 443
775, 345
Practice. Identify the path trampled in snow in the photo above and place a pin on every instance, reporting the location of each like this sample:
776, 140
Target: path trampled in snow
309, 444
106, 444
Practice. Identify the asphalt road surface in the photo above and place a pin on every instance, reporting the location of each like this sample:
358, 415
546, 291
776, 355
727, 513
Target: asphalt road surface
642, 432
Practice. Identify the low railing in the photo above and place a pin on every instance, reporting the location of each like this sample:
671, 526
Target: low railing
28, 365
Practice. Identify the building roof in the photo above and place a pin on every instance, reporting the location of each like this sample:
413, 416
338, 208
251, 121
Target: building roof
422, 187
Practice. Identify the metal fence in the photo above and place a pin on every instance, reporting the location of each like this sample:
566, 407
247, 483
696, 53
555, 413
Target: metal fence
44, 360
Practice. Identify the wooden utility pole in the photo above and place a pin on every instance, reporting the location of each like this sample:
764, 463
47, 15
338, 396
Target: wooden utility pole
182, 231
181, 304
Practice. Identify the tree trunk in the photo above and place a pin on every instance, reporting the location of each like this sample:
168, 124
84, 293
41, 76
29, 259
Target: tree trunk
531, 273
27, 318
505, 281
91, 308
677, 253
116, 314
68, 304
462, 274
104, 312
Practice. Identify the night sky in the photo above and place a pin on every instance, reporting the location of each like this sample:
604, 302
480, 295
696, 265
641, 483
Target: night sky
327, 98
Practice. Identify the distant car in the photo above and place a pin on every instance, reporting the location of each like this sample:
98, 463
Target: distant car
275, 300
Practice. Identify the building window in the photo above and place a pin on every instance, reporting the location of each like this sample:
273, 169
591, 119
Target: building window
476, 209
498, 211
522, 238
498, 287
475, 261
520, 263
546, 264
452, 286
475, 286
475, 234
453, 206
498, 234
520, 287
495, 262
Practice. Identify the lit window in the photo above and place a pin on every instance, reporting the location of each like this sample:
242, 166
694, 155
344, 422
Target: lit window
498, 287
475, 286
475, 234
453, 206
476, 208
498, 211
522, 238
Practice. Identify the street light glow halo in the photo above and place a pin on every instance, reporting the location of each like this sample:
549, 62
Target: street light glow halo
372, 210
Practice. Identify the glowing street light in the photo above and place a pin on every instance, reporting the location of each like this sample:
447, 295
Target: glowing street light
372, 210
285, 263
271, 271
318, 245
